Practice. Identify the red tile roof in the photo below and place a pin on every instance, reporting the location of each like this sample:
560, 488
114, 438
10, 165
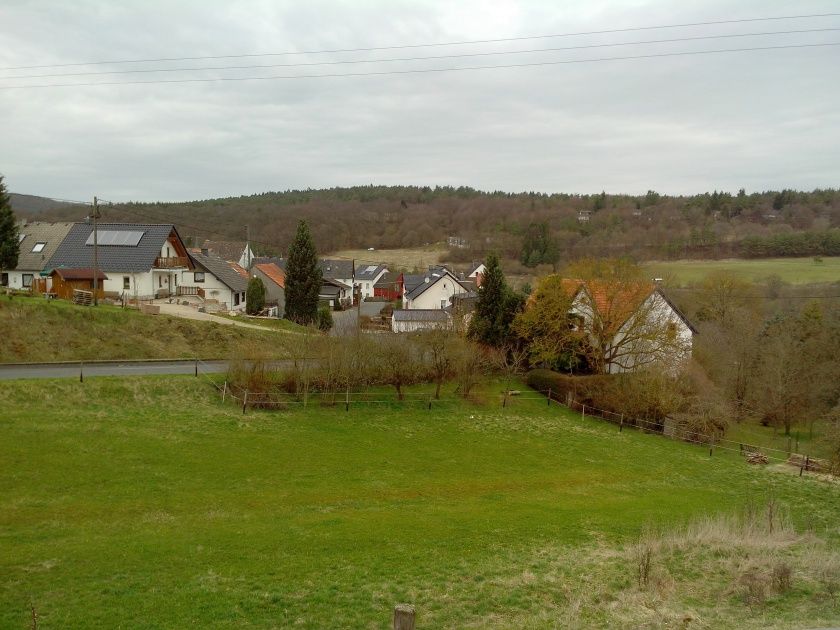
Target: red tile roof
238, 269
274, 273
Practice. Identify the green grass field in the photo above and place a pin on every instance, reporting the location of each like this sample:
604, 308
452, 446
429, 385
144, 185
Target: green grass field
146, 503
792, 270
34, 329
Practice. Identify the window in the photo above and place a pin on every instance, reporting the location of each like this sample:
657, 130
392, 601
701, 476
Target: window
199, 276
126, 282
176, 280
443, 303
39, 247
236, 299
26, 279
160, 281
4, 280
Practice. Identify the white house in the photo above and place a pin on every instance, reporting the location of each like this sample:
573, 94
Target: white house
433, 290
476, 273
37, 243
640, 324
213, 278
367, 276
141, 260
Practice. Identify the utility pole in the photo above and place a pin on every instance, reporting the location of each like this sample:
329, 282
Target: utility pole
358, 297
95, 254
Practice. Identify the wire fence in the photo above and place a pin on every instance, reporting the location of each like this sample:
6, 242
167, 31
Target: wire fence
668, 428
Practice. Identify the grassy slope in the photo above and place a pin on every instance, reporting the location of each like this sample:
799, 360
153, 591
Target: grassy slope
33, 329
145, 503
792, 270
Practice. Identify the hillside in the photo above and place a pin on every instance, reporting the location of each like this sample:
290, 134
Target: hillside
33, 329
147, 502
32, 206
534, 228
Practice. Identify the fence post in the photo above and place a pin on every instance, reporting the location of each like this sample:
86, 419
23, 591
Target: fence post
196, 367
224, 392
430, 402
789, 445
504, 400
583, 412
404, 617
549, 397
244, 402
711, 445
347, 400
797, 441
621, 423
81, 371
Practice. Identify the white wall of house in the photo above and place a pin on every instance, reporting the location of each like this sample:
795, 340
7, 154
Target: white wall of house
675, 338
16, 279
214, 289
675, 343
366, 286
436, 296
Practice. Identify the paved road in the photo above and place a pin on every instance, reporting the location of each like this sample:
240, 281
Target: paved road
10, 371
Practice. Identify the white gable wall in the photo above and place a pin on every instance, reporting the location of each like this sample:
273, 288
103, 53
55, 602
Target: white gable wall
438, 295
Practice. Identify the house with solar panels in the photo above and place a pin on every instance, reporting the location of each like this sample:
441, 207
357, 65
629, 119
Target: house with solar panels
140, 261
366, 278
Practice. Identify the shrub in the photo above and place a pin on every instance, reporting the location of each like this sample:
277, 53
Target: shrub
325, 319
255, 296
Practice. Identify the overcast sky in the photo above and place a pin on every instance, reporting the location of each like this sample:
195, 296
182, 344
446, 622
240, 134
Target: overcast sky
760, 120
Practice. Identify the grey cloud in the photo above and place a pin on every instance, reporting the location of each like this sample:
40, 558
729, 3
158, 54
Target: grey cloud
680, 125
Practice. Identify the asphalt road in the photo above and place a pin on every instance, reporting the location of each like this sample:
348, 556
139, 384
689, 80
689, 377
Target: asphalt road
9, 371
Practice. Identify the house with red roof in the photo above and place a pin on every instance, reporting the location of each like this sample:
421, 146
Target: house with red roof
274, 279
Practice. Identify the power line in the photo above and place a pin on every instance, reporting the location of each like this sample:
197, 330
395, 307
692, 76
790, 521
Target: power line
431, 45
425, 70
427, 58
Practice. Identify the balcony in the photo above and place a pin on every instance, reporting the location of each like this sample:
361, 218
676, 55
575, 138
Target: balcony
170, 262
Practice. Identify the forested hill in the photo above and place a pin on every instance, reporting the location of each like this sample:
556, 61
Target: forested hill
534, 227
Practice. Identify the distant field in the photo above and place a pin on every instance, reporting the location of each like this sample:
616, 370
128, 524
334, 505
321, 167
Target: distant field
397, 258
792, 270
146, 502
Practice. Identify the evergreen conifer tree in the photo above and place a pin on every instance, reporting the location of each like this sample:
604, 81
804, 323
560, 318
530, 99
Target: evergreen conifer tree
255, 296
8, 231
303, 278
495, 308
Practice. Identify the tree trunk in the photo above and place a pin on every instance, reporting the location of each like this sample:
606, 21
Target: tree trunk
437, 390
398, 386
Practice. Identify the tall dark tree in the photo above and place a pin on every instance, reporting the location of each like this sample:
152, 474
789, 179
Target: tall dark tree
255, 296
303, 278
8, 231
495, 308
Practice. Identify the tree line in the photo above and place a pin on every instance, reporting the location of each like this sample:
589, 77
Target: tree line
533, 228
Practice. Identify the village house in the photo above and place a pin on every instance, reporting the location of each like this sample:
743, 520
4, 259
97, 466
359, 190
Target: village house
238, 251
476, 273
637, 321
37, 243
432, 290
389, 286
366, 278
420, 319
215, 279
274, 279
141, 261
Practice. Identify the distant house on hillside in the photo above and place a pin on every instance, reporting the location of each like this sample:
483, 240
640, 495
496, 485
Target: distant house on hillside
638, 324
457, 241
37, 243
141, 260
335, 293
584, 216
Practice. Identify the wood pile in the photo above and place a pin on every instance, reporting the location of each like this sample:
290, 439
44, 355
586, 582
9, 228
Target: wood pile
756, 457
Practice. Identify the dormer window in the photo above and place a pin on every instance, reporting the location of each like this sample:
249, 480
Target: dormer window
39, 247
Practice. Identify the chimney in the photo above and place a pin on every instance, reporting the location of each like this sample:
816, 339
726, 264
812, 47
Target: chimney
205, 251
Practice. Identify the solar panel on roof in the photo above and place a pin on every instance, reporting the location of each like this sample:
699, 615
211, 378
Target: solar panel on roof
124, 238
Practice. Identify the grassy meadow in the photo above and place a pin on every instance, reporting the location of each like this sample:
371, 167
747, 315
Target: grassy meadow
407, 258
791, 270
35, 329
146, 503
